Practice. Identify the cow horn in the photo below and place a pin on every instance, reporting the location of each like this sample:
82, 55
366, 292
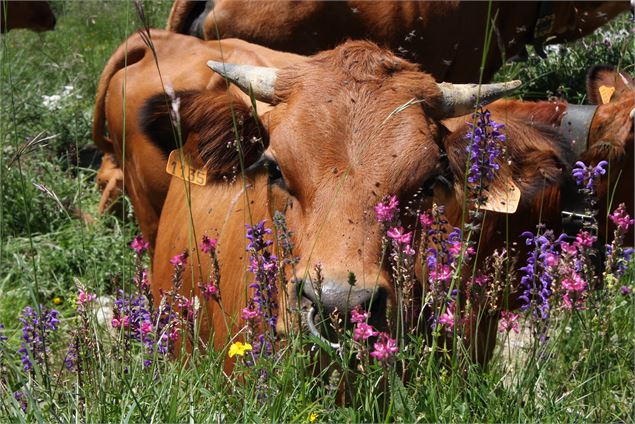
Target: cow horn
460, 99
262, 80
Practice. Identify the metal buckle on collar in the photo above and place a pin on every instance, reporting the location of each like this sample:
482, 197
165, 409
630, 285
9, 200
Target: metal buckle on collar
573, 222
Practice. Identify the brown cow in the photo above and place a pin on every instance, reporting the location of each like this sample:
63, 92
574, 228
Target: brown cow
33, 15
600, 132
130, 78
333, 150
421, 31
593, 135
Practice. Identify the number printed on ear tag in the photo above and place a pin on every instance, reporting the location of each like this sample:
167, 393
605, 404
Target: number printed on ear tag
506, 202
180, 165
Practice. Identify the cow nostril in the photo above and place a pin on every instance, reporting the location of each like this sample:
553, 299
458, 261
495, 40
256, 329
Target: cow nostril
343, 298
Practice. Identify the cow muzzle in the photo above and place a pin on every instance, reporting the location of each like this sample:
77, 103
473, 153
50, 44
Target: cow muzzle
332, 303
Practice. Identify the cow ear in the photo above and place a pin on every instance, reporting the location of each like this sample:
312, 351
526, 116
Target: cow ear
537, 157
605, 84
219, 129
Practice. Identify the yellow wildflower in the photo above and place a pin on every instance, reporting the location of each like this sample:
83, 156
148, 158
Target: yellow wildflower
239, 349
57, 300
313, 417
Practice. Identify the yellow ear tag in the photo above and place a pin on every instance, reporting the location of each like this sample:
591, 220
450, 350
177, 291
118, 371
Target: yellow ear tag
504, 202
606, 93
180, 165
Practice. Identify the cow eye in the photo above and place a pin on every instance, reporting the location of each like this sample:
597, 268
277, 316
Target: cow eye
275, 174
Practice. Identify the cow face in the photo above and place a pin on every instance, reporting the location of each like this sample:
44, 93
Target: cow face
340, 139
339, 151
611, 137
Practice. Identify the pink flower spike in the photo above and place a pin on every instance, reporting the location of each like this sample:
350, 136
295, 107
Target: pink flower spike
568, 248
115, 323
575, 284
139, 245
443, 274
455, 248
621, 219
398, 235
363, 331
358, 316
208, 245
481, 280
447, 318
386, 209
426, 220
551, 259
84, 297
385, 348
408, 250
174, 334
146, 327
508, 322
179, 260
249, 313
584, 238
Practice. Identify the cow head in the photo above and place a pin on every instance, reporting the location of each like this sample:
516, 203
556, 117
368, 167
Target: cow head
611, 138
348, 127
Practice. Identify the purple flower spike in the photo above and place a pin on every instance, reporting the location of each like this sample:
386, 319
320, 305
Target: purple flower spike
36, 331
485, 147
586, 176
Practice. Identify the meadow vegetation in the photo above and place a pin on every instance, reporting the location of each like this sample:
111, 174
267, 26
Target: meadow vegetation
62, 260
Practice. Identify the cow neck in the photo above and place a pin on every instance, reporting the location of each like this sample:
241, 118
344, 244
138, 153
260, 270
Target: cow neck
574, 127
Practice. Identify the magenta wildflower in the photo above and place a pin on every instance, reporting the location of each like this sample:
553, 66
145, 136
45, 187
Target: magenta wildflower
363, 331
584, 238
426, 220
398, 235
447, 318
408, 250
626, 290
179, 261
508, 322
208, 245
551, 259
249, 313
209, 291
481, 280
385, 348
574, 284
141, 279
139, 245
358, 316
386, 209
146, 327
621, 219
85, 297
568, 248
442, 273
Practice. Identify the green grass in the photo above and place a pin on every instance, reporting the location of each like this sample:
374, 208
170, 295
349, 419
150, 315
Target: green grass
585, 372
